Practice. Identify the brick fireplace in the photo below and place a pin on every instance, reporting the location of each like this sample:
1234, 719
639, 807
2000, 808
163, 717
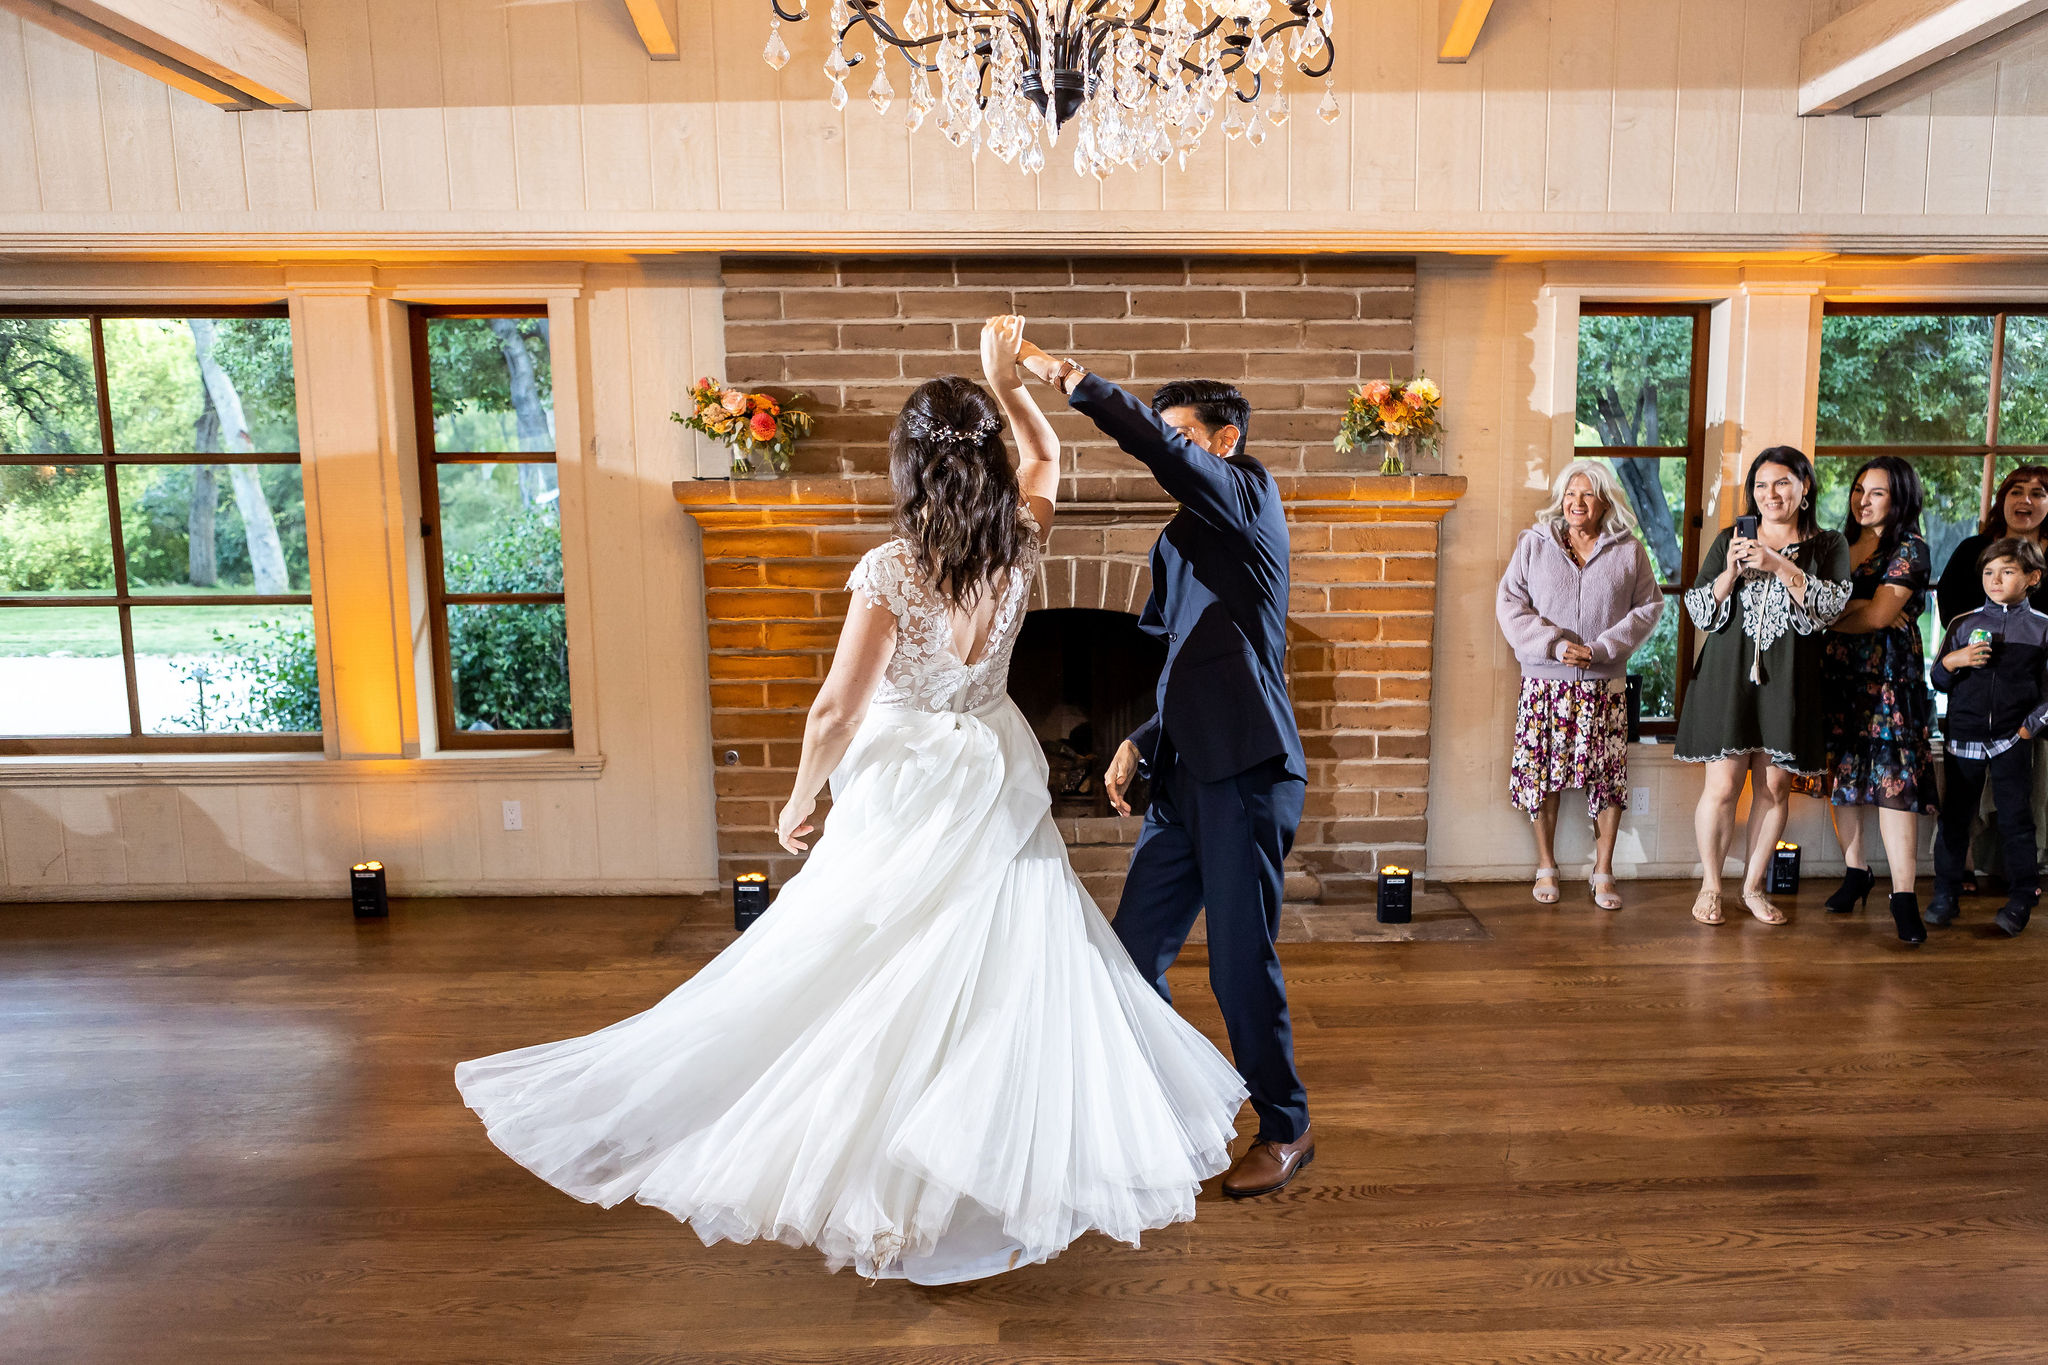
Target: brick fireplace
1295, 333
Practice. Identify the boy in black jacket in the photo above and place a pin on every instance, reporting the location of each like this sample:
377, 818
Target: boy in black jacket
1991, 664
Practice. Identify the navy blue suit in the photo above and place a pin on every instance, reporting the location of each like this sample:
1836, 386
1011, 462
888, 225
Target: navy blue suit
1222, 752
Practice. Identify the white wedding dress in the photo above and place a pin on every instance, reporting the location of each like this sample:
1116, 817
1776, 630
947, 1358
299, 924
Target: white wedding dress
930, 1058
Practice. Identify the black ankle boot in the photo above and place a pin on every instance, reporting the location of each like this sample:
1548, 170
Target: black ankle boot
2017, 910
1906, 915
1943, 908
1853, 892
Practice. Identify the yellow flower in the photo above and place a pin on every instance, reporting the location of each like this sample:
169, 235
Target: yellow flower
1425, 389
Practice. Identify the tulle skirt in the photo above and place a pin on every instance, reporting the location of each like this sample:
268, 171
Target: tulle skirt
929, 1059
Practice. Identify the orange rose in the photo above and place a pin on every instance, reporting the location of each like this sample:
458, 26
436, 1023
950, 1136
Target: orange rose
763, 403
1375, 393
733, 401
762, 425
1414, 400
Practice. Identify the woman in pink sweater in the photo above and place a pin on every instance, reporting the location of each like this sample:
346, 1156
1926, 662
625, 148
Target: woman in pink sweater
1579, 596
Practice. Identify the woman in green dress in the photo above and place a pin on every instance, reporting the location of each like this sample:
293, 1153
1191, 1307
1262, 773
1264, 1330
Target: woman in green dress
1761, 603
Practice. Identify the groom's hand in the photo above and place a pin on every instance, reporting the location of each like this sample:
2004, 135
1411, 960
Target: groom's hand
1123, 766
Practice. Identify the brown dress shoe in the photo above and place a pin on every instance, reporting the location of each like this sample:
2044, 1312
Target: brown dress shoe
1267, 1166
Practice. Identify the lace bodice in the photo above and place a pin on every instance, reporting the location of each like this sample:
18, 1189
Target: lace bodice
924, 673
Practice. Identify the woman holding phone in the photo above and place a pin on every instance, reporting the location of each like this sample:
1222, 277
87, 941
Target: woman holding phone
1768, 588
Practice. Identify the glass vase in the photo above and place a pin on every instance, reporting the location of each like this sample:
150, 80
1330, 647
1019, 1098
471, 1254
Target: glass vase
751, 460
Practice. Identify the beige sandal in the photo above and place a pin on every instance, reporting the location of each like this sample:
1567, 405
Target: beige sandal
1545, 895
1604, 894
1760, 905
1706, 907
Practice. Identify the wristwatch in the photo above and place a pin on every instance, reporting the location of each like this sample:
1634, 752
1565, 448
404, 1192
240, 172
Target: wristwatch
1059, 376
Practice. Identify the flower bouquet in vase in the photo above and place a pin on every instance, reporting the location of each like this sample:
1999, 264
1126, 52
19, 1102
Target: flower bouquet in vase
1400, 418
761, 432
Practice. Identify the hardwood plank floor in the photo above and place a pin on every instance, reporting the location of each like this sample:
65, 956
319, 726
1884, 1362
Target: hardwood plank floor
228, 1133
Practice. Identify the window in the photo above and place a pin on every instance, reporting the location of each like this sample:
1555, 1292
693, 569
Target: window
1960, 394
1642, 407
491, 515
154, 591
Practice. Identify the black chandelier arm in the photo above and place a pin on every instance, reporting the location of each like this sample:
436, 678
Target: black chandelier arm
785, 15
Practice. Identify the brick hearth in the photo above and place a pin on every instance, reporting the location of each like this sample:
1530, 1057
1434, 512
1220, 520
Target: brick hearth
855, 336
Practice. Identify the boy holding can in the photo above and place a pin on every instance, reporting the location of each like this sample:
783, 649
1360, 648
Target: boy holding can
1992, 663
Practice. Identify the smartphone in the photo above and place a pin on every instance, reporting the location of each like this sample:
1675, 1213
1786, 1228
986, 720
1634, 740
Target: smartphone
1746, 527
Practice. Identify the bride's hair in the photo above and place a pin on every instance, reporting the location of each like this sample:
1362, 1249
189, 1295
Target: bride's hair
957, 499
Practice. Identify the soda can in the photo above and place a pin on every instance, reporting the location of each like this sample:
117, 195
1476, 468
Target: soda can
1980, 636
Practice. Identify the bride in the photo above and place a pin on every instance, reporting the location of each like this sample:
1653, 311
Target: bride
930, 1059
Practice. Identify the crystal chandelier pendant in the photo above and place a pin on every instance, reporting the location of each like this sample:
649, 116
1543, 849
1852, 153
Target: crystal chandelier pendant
1033, 160
776, 54
880, 93
1256, 132
838, 96
836, 65
1233, 122
1276, 108
1328, 111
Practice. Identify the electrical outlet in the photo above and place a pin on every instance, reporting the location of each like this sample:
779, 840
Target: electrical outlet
1639, 802
515, 817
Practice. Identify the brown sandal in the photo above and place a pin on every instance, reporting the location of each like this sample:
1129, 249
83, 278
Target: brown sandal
1760, 905
1706, 907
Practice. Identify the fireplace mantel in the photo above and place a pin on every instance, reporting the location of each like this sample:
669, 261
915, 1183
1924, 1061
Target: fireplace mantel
777, 553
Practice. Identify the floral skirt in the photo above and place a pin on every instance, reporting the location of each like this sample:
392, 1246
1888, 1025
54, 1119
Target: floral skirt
1570, 734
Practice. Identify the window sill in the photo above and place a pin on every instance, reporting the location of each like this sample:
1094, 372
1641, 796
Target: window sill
198, 770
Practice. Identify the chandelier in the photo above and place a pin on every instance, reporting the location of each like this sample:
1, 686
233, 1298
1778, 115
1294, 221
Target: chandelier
1141, 83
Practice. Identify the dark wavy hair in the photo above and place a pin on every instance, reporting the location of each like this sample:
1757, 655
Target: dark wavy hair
1994, 520
1794, 459
957, 500
1903, 518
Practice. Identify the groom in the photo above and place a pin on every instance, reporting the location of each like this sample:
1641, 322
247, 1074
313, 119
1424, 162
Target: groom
1222, 752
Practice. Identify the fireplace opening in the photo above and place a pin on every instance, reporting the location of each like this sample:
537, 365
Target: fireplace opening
1084, 679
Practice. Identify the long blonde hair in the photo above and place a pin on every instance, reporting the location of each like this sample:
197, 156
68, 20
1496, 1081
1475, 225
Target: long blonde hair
1620, 518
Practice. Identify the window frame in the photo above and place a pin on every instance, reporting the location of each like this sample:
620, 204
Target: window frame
1990, 449
109, 461
1694, 453
439, 599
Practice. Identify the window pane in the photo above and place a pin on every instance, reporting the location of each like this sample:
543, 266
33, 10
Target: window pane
194, 528
48, 401
492, 384
1950, 488
1888, 379
226, 670
201, 384
2023, 394
501, 527
511, 664
54, 535
1635, 380
60, 672
1656, 493
1657, 661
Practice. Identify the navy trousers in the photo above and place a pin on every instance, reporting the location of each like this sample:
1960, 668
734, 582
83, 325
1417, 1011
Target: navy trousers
1222, 845
2011, 775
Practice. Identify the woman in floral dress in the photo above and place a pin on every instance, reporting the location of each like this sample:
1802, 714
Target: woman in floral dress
1754, 709
1578, 598
1878, 708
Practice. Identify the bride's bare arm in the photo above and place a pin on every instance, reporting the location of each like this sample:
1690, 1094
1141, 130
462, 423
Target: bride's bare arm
1038, 445
865, 643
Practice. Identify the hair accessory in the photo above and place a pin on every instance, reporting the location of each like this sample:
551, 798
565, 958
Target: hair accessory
924, 429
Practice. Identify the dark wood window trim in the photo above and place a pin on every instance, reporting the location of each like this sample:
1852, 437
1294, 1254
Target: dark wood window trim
1990, 449
121, 599
1693, 452
439, 599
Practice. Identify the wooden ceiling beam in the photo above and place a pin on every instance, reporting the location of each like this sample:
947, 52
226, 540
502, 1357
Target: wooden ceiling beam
237, 43
1882, 43
656, 22
125, 50
1460, 22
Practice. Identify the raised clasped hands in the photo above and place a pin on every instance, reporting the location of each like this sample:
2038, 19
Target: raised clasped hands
1572, 654
1000, 338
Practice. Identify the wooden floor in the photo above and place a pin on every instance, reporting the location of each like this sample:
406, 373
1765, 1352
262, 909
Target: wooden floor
228, 1133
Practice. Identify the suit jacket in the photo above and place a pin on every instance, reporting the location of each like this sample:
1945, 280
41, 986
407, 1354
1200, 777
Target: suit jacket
1219, 598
